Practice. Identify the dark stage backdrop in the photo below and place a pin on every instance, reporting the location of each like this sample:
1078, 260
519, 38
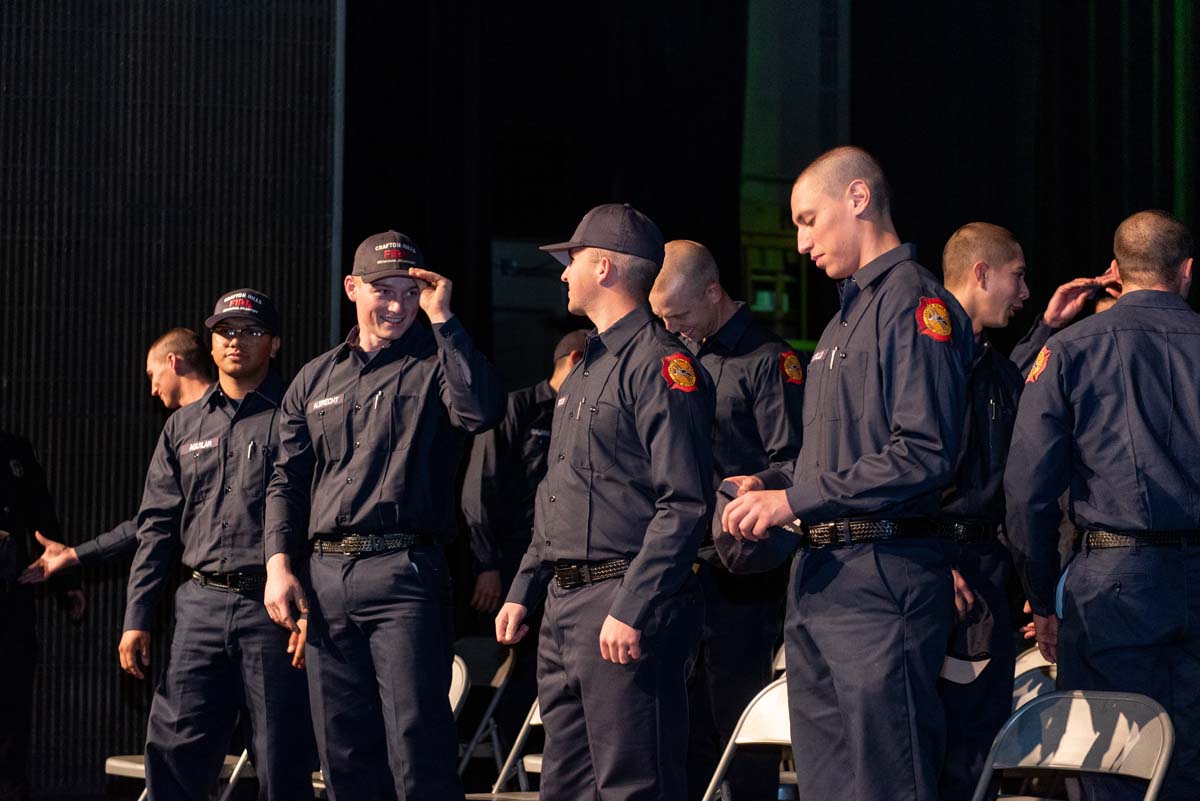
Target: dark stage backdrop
152, 155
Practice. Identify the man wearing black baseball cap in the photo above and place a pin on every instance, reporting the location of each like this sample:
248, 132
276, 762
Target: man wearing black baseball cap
617, 523
204, 495
370, 438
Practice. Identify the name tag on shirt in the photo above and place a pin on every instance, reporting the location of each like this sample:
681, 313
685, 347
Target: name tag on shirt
323, 402
202, 445
541, 433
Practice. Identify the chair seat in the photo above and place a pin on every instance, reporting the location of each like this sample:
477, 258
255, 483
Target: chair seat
787, 778
532, 763
133, 766
515, 795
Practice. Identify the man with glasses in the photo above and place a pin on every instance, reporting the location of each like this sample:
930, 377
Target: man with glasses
204, 494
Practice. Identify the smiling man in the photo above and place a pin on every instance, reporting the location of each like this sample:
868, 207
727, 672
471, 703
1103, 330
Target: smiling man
370, 438
204, 497
870, 602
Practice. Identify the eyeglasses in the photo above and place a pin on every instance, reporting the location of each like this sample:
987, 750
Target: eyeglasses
227, 333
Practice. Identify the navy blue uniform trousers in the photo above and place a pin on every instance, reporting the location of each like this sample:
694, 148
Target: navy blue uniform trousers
379, 655
865, 637
1131, 623
976, 711
226, 653
615, 732
733, 663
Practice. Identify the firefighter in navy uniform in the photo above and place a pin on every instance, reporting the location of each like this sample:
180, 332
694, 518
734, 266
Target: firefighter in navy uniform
26, 508
371, 435
619, 518
204, 496
870, 604
984, 268
506, 466
759, 384
1109, 411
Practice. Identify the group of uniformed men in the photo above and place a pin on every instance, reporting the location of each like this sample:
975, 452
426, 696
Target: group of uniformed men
681, 462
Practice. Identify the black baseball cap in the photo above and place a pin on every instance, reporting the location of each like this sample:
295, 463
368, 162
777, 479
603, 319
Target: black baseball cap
248, 303
386, 255
613, 226
750, 556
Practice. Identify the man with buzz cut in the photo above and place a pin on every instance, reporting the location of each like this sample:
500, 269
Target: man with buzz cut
618, 520
361, 504
1109, 411
759, 386
204, 496
870, 603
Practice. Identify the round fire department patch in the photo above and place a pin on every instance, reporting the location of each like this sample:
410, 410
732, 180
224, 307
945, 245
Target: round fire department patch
1039, 366
789, 365
679, 372
933, 319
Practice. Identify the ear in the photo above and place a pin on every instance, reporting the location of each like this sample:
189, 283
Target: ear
351, 288
1115, 269
713, 292
175, 363
859, 194
606, 273
275, 343
576, 356
1185, 277
980, 270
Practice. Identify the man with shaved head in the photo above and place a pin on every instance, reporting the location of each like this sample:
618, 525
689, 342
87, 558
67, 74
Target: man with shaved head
760, 396
1110, 411
870, 603
180, 371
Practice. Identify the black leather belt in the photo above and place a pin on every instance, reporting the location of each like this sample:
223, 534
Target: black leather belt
853, 532
243, 583
964, 532
355, 544
571, 575
1093, 538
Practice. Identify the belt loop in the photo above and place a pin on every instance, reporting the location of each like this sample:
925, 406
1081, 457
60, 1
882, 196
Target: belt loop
1084, 544
843, 527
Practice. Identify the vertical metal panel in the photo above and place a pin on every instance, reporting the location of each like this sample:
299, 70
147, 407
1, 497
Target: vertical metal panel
153, 154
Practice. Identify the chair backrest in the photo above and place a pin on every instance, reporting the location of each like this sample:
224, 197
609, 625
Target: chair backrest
533, 718
1029, 659
1033, 683
765, 719
486, 659
780, 663
1098, 732
460, 682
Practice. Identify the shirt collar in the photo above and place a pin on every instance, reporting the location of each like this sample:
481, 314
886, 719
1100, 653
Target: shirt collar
1154, 298
871, 272
270, 390
728, 335
619, 333
396, 346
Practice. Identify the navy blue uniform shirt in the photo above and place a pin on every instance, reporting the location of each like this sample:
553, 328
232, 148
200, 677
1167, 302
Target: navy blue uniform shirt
204, 490
121, 539
885, 397
759, 384
371, 445
26, 506
1111, 409
1025, 351
630, 472
994, 387
507, 464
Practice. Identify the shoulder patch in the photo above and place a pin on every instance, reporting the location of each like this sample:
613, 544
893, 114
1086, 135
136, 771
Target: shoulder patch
679, 372
789, 365
1039, 366
933, 319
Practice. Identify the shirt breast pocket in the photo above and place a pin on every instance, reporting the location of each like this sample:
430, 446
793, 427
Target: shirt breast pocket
595, 436
846, 388
403, 420
201, 471
326, 428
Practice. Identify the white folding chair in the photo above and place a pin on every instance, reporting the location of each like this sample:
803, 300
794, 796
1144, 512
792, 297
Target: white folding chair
779, 666
515, 765
1096, 732
1034, 675
764, 722
485, 657
133, 766
460, 683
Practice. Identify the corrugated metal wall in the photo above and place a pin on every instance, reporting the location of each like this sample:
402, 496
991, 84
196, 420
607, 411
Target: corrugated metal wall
153, 153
